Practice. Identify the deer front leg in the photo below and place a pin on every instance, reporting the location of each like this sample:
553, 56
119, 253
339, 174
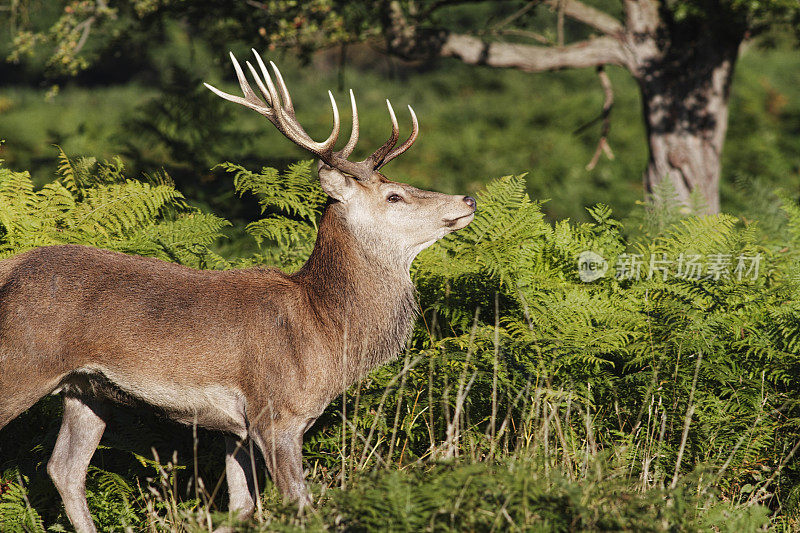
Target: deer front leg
282, 447
81, 428
239, 473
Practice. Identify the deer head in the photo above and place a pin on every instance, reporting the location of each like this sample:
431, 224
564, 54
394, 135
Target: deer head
396, 220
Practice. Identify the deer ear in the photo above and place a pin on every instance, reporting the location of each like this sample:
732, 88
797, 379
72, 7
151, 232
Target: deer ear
336, 184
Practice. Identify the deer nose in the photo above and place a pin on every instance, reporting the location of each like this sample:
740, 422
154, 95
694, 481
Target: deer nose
470, 201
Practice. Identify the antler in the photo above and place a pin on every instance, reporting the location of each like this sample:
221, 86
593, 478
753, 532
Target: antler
280, 111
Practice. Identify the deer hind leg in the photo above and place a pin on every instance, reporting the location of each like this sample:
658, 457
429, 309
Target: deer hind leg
81, 428
239, 473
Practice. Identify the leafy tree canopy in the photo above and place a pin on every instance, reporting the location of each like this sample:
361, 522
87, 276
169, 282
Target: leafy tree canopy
67, 36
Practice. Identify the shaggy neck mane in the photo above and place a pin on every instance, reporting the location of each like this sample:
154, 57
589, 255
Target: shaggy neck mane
364, 297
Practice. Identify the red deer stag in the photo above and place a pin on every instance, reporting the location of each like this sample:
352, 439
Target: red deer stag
254, 353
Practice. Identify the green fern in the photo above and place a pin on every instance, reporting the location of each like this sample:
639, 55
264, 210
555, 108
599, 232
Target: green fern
93, 203
292, 202
16, 513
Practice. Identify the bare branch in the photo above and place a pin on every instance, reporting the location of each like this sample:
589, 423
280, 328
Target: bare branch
86, 28
257, 5
605, 115
588, 15
590, 53
514, 16
538, 37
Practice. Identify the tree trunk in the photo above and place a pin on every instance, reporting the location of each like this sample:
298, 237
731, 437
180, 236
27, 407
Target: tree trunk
685, 88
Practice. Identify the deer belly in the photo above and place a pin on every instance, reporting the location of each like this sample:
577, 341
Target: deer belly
213, 406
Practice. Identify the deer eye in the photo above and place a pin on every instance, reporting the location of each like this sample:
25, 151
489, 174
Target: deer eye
394, 198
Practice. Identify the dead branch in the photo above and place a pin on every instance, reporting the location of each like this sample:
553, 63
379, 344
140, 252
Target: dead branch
538, 37
518, 13
605, 116
85, 27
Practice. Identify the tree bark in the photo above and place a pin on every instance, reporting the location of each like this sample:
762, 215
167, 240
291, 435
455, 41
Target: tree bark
685, 88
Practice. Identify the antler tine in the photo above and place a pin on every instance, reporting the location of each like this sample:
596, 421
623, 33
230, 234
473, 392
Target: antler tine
378, 155
280, 111
351, 143
249, 94
287, 99
235, 99
334, 136
285, 112
407, 144
273, 94
292, 129
251, 100
264, 91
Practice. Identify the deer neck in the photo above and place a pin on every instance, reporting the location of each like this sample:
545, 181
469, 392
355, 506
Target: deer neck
364, 297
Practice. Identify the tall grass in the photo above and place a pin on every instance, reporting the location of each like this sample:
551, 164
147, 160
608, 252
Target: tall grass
540, 462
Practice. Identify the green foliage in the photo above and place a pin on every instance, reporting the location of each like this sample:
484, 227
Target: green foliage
93, 203
77, 33
506, 320
186, 128
16, 513
292, 202
754, 13
522, 495
654, 402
